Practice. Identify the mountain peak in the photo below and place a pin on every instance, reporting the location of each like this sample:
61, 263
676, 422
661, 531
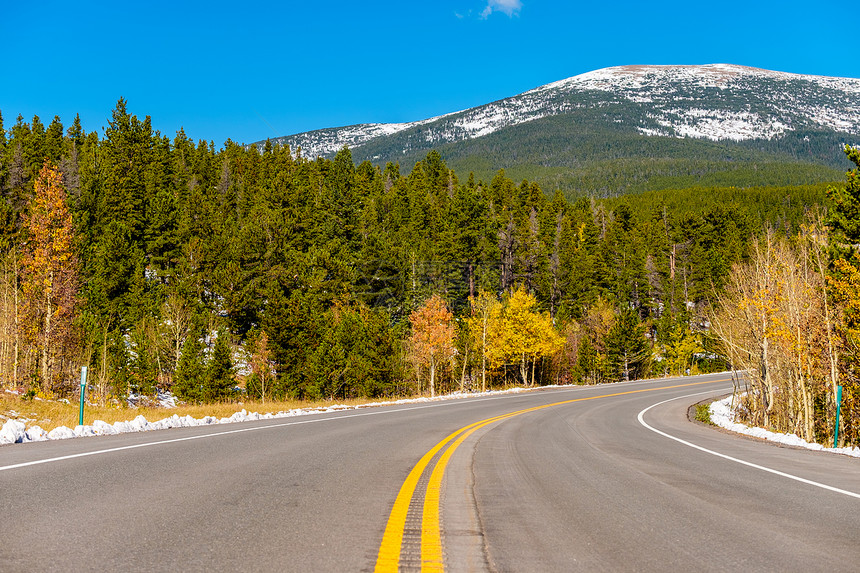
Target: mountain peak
718, 102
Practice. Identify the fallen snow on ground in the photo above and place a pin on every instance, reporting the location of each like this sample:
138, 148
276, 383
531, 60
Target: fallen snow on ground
14, 431
723, 416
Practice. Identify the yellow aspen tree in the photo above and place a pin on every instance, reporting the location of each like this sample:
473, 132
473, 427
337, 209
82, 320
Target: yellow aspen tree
678, 349
522, 335
432, 339
775, 324
798, 334
50, 278
745, 324
485, 308
816, 235
844, 285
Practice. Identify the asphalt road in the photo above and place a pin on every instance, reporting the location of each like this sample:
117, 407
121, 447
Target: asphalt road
583, 485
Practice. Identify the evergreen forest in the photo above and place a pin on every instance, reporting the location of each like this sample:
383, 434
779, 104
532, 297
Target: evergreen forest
254, 273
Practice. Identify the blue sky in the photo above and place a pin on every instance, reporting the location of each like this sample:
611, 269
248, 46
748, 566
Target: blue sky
251, 70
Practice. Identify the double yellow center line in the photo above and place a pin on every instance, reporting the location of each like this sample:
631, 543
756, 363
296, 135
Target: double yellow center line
388, 558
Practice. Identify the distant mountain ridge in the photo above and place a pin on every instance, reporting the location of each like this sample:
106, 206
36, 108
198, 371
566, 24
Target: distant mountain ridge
753, 115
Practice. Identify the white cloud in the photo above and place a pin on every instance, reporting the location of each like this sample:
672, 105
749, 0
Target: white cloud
509, 7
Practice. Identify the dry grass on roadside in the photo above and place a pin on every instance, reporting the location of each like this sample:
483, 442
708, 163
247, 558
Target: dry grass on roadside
50, 414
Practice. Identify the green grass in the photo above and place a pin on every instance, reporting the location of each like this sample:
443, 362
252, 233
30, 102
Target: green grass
703, 413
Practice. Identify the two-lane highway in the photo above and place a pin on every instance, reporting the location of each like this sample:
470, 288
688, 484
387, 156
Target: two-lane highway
596, 489
564, 479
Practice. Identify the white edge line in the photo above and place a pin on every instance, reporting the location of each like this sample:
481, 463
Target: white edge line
724, 456
292, 423
269, 426
214, 434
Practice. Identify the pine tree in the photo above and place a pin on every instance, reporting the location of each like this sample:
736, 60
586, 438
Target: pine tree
220, 376
844, 285
190, 376
844, 219
54, 141
144, 360
116, 261
626, 347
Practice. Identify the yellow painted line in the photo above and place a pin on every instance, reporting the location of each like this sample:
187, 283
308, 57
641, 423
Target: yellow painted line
431, 536
388, 558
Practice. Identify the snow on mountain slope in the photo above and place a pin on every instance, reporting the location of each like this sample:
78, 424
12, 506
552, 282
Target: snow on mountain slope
715, 102
327, 142
777, 97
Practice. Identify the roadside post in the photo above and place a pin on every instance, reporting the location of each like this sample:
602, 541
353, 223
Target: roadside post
838, 406
84, 394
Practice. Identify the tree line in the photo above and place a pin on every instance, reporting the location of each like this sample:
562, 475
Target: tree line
193, 268
789, 318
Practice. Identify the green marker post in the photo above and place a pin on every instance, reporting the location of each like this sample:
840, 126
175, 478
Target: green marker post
83, 394
838, 405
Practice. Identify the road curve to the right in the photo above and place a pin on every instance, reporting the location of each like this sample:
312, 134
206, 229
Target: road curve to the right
587, 487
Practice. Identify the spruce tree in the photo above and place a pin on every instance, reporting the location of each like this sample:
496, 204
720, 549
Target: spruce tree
626, 347
190, 375
220, 377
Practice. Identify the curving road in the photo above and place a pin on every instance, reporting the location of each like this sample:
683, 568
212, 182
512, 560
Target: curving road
570, 479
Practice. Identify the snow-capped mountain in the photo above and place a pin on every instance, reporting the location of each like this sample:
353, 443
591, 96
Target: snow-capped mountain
718, 102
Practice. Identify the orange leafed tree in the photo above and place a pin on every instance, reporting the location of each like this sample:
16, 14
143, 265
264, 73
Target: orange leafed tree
432, 339
50, 277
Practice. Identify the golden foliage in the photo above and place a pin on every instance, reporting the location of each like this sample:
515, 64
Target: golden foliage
844, 285
50, 279
485, 307
521, 335
774, 324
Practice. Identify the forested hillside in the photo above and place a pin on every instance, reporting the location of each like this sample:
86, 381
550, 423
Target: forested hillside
630, 129
188, 267
593, 156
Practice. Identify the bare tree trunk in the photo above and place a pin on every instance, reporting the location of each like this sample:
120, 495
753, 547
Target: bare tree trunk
626, 367
432, 376
463, 374
485, 319
263, 377
672, 262
6, 346
471, 279
686, 288
17, 353
555, 268
418, 378
103, 375
818, 246
46, 343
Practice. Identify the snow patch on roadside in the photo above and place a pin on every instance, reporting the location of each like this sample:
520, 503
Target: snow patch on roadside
15, 432
723, 416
